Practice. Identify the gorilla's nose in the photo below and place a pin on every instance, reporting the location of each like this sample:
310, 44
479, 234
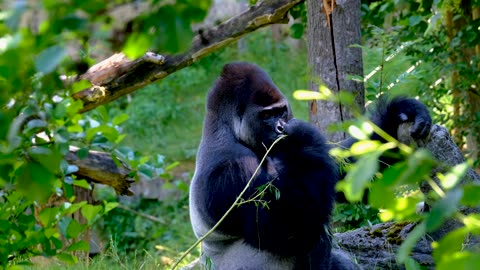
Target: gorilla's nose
279, 127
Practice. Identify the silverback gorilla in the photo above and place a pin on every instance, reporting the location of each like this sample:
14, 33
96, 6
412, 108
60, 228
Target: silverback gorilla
245, 114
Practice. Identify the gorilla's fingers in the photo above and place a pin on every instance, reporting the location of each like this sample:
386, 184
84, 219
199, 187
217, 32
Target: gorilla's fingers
420, 128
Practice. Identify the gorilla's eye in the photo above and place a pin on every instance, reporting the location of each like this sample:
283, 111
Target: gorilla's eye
266, 114
279, 112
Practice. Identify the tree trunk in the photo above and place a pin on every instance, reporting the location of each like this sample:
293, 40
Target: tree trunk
333, 27
466, 98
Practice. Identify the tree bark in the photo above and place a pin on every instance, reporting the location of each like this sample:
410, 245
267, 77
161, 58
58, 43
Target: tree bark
333, 27
118, 76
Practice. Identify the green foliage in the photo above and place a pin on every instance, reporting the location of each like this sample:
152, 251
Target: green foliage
429, 55
134, 235
299, 14
39, 120
349, 216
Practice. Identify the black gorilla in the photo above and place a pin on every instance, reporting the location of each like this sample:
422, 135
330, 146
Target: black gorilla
245, 114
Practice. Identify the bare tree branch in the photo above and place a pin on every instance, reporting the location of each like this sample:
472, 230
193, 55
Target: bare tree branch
118, 76
99, 167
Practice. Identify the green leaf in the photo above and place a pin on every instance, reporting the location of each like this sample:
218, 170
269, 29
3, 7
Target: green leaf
15, 267
89, 212
71, 169
35, 181
91, 7
103, 113
297, 30
68, 258
417, 168
60, 111
49, 59
460, 260
411, 264
34, 126
454, 176
81, 245
380, 195
47, 157
137, 45
407, 245
359, 176
147, 170
82, 183
109, 206
449, 244
74, 229
74, 23
75, 129
194, 14
82, 153
363, 147
414, 20
472, 222
48, 216
117, 120
63, 225
80, 85
71, 208
72, 106
171, 166
400, 208
109, 132
443, 209
298, 10
120, 138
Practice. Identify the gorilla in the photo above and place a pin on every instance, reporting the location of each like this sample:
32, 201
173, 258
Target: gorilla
246, 113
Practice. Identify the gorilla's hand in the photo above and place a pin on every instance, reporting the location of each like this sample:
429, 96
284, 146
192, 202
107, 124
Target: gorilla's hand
389, 115
300, 133
411, 110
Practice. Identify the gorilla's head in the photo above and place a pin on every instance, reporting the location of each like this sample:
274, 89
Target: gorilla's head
245, 99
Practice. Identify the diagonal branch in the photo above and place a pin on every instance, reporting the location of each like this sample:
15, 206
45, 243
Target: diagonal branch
118, 76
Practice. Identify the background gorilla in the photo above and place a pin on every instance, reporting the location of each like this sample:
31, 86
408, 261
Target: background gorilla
245, 114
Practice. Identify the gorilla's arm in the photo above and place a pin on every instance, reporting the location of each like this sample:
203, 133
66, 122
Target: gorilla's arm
306, 180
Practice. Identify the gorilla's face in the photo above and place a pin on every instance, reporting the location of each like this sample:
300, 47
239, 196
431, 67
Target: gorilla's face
260, 126
245, 98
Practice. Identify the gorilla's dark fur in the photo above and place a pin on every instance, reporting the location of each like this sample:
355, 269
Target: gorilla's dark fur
245, 114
